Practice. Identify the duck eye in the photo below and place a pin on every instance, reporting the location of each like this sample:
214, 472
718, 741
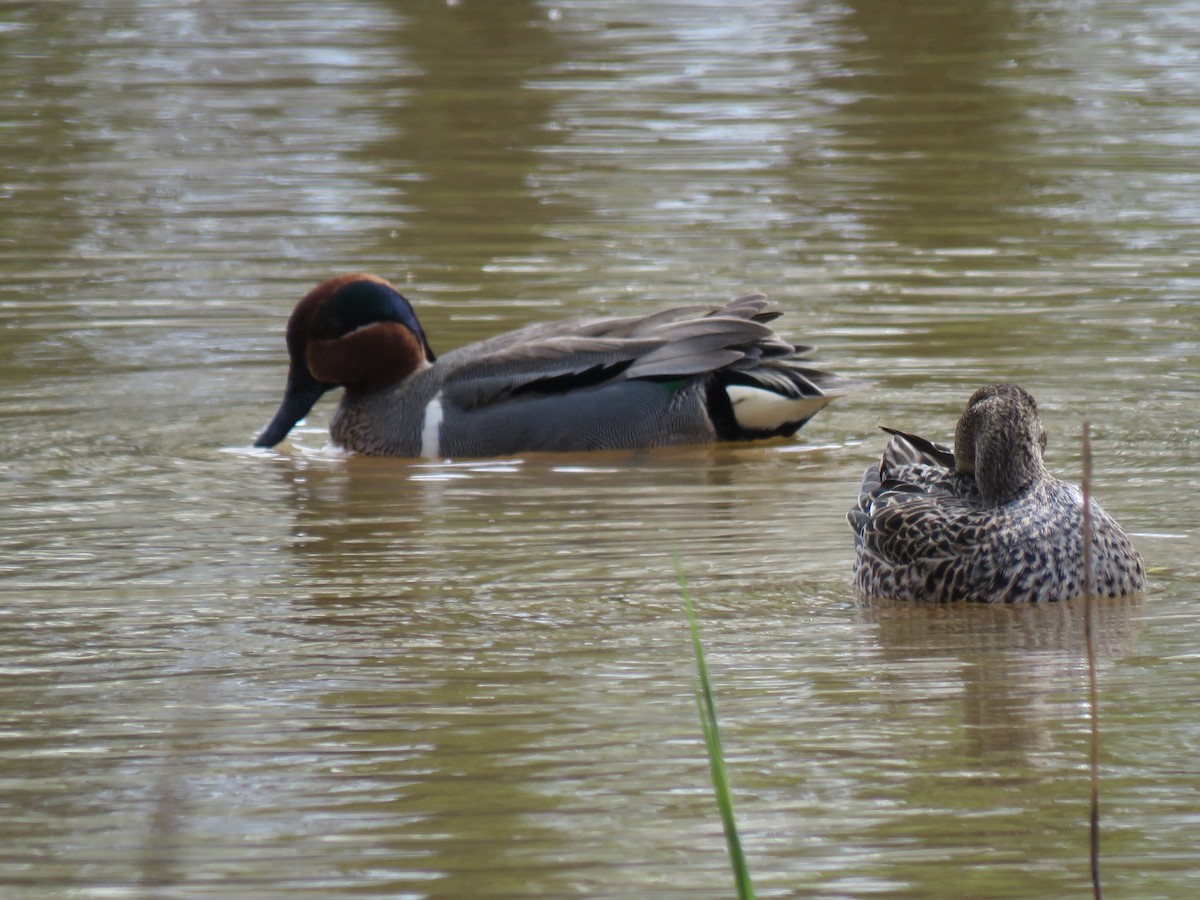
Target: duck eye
327, 326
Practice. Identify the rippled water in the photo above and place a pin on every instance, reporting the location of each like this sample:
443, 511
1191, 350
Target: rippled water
229, 672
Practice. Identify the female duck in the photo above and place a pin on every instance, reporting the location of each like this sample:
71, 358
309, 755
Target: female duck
985, 522
681, 376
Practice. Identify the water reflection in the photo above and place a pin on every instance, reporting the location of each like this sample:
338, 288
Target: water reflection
459, 152
1006, 661
399, 526
45, 149
412, 789
234, 673
925, 117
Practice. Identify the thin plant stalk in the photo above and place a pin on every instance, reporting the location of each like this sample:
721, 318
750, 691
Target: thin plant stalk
1089, 616
716, 755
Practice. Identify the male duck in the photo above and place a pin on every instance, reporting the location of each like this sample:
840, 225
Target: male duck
681, 376
985, 522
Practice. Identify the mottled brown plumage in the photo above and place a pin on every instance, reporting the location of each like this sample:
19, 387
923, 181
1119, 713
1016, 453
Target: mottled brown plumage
985, 522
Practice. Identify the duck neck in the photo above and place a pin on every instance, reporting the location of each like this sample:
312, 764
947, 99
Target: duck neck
1006, 469
1000, 440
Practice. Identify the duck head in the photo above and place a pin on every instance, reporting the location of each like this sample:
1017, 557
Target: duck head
353, 331
1000, 440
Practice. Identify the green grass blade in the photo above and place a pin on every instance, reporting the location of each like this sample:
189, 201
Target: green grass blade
716, 755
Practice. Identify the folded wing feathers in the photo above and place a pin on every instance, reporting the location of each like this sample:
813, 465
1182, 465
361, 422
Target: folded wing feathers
691, 359
734, 330
906, 449
518, 367
910, 508
677, 342
698, 346
639, 326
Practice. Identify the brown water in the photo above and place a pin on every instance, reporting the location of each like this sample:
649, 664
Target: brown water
229, 673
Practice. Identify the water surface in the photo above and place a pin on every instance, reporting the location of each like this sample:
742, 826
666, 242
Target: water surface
231, 672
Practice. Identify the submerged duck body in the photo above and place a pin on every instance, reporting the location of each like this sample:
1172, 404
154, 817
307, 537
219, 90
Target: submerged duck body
985, 521
681, 376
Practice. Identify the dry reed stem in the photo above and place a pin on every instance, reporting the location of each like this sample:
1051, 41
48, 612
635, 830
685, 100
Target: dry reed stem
1089, 614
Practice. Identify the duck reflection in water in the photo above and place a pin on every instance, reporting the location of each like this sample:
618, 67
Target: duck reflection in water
1001, 679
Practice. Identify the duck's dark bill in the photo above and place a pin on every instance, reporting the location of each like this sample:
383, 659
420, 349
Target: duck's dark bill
298, 400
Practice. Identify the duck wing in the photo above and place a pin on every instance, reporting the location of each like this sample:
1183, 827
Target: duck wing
914, 507
562, 357
907, 524
914, 450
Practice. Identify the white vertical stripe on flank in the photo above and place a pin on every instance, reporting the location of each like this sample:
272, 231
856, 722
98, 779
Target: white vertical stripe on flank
430, 431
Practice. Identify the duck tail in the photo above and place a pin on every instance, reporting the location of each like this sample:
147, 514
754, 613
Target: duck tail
772, 399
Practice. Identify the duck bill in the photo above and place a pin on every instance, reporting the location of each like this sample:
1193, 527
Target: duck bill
302, 392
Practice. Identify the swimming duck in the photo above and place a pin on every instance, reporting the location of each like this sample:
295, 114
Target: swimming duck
985, 521
680, 376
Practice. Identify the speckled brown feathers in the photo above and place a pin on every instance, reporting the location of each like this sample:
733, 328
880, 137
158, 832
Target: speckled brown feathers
985, 522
